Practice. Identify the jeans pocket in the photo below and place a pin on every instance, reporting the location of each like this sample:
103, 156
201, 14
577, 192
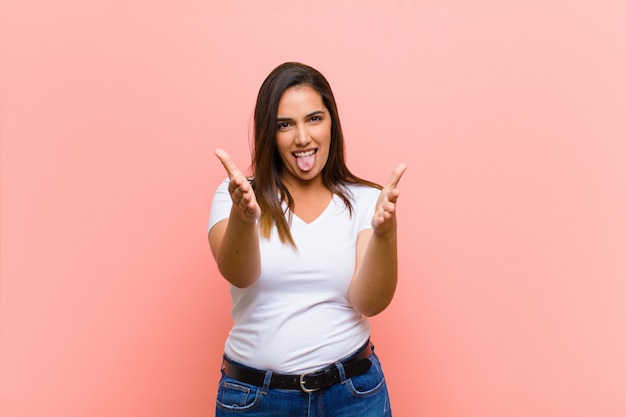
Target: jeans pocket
370, 382
233, 395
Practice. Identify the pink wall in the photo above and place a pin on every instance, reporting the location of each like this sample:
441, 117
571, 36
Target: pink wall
510, 114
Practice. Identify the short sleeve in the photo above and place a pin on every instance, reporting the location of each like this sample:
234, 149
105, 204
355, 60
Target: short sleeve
365, 205
220, 207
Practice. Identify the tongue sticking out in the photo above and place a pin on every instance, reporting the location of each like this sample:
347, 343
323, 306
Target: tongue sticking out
305, 163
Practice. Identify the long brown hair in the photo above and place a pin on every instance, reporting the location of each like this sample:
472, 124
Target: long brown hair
267, 166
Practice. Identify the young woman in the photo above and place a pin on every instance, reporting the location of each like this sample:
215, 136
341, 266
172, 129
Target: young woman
310, 251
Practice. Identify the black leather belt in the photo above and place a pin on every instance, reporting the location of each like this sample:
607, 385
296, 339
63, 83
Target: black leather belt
357, 364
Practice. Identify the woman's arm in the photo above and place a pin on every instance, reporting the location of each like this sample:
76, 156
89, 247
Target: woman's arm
235, 241
376, 275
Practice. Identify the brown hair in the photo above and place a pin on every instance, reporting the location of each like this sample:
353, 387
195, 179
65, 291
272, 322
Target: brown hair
267, 166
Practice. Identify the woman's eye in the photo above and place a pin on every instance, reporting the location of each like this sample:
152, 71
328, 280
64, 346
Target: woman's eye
283, 125
316, 118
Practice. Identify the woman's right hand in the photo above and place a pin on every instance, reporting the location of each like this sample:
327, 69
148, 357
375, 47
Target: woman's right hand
241, 192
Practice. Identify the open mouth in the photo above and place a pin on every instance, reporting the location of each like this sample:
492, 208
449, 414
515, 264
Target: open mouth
305, 159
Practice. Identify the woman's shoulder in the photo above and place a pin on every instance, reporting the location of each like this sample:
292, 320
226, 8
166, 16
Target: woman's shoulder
358, 188
362, 192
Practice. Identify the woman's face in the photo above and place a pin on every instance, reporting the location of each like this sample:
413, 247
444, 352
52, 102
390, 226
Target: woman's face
303, 133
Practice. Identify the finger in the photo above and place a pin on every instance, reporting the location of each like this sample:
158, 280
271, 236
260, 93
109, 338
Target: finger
228, 163
392, 195
395, 176
238, 183
389, 207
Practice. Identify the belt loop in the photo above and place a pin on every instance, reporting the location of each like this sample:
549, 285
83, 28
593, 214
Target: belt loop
266, 382
342, 371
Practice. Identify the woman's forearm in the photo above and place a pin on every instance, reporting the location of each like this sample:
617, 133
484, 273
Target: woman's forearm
374, 285
237, 255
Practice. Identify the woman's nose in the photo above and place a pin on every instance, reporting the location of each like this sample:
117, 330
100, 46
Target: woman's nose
302, 137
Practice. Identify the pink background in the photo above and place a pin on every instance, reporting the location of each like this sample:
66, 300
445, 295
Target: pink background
510, 114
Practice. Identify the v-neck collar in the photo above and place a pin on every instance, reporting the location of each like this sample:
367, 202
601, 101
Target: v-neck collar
315, 220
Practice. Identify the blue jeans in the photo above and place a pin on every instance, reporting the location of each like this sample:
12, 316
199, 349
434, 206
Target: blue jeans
361, 396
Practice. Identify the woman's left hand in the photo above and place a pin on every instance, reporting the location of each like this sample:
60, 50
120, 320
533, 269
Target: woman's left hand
384, 220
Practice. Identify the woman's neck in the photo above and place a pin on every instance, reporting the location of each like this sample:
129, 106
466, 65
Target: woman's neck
309, 198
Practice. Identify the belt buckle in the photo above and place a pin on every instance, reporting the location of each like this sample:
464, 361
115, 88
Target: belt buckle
303, 387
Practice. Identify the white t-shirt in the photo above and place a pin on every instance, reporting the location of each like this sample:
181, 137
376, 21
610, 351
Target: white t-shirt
297, 317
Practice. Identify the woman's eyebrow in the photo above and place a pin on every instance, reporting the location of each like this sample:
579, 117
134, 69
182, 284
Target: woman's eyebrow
289, 119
